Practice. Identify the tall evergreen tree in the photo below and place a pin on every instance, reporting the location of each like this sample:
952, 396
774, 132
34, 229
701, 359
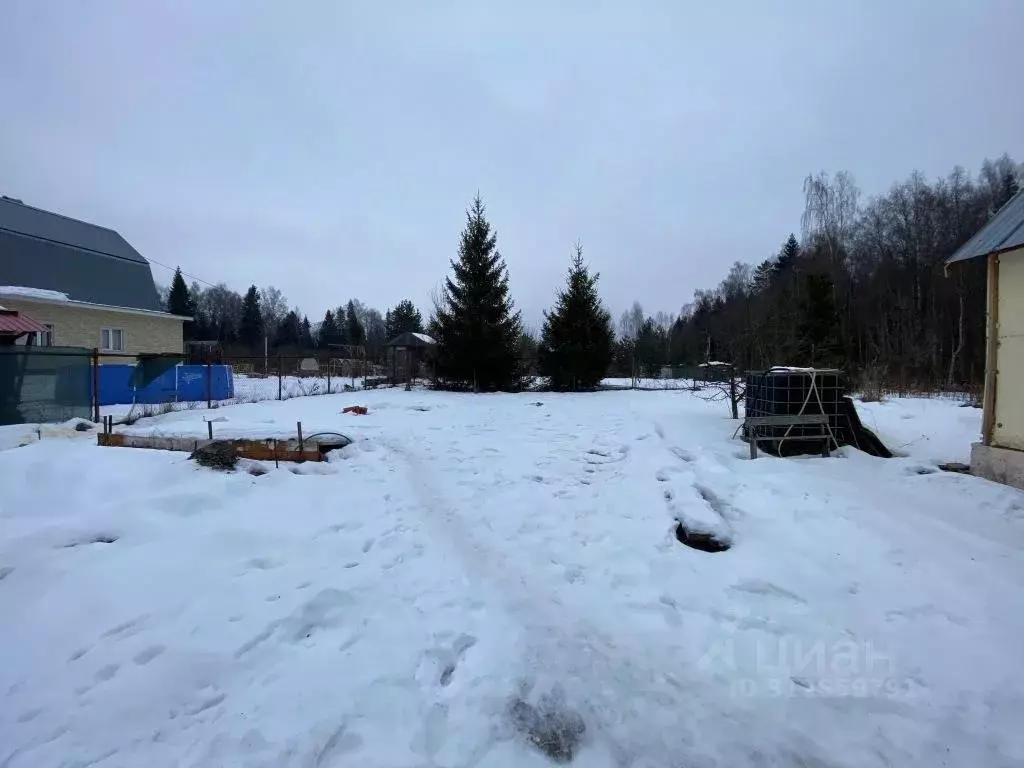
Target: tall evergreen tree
355, 334
180, 302
476, 326
1010, 188
306, 334
818, 326
403, 318
328, 332
576, 340
289, 331
789, 254
250, 328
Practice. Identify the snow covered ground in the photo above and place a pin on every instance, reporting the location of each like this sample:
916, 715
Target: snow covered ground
390, 606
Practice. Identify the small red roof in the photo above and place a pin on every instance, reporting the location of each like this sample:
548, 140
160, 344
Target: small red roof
12, 322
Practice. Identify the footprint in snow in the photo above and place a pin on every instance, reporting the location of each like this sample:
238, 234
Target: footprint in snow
146, 655
765, 589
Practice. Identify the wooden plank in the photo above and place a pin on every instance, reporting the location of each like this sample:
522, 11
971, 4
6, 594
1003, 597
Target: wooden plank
260, 450
786, 420
988, 413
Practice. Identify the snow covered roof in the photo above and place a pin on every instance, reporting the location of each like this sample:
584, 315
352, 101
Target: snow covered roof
59, 297
712, 364
32, 293
86, 262
410, 339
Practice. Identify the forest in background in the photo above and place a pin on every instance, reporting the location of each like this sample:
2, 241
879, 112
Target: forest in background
859, 286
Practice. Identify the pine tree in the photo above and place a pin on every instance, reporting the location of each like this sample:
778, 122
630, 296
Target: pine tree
818, 325
576, 340
180, 302
250, 329
475, 324
650, 349
306, 334
789, 254
355, 334
289, 331
404, 318
328, 332
1010, 188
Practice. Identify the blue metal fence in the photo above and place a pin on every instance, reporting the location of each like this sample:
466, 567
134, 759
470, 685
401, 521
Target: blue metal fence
181, 383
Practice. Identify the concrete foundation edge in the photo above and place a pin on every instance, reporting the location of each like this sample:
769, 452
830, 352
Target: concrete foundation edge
1003, 465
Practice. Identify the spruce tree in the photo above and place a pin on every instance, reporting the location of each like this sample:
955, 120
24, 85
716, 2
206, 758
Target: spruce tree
180, 302
355, 334
1010, 188
475, 324
576, 340
289, 331
306, 335
250, 329
328, 332
403, 318
789, 254
818, 326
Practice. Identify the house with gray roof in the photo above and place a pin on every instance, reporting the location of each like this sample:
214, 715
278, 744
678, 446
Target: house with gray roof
83, 282
999, 455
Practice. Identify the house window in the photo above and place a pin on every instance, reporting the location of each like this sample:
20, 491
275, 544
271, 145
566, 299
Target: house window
44, 338
112, 340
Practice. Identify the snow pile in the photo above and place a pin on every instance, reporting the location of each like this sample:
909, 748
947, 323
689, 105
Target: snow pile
481, 581
33, 293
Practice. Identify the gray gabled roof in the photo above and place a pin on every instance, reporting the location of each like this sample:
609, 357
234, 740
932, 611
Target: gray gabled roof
411, 340
1003, 232
40, 249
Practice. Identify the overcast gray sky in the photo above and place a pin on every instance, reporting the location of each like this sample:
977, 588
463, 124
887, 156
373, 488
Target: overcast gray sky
330, 148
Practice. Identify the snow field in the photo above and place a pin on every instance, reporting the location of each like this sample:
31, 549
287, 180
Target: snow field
388, 606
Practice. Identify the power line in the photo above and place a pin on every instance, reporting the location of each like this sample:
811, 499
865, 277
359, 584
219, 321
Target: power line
185, 274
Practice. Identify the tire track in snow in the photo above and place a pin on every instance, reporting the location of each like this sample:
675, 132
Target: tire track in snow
619, 680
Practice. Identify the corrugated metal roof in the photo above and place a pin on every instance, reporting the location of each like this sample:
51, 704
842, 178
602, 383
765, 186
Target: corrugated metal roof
1003, 232
23, 219
88, 263
15, 322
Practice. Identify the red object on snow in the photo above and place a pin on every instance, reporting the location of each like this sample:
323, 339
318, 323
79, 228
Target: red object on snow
361, 410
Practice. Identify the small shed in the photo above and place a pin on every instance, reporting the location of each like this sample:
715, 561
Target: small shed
1000, 454
410, 353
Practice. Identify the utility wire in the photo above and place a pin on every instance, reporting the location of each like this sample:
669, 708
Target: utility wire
184, 274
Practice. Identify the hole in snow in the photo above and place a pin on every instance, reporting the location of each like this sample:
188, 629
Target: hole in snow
550, 726
705, 541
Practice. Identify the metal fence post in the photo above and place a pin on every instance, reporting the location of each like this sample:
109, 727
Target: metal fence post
280, 379
328, 377
95, 384
209, 385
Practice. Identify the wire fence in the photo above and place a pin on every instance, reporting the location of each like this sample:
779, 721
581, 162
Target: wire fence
53, 384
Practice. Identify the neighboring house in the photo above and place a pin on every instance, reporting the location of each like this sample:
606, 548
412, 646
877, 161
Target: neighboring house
1000, 454
83, 282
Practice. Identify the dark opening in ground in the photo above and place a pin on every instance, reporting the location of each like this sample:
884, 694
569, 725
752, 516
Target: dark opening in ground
702, 540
